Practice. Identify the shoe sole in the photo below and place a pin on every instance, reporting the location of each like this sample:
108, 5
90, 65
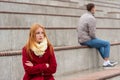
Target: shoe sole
115, 63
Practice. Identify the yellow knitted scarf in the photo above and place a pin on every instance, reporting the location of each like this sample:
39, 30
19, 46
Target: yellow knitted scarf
39, 49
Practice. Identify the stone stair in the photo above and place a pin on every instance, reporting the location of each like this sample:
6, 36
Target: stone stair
73, 62
60, 18
94, 74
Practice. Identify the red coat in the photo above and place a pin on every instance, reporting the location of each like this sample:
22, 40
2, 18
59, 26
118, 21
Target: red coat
39, 71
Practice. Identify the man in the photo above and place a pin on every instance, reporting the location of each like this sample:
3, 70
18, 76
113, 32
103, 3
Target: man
86, 35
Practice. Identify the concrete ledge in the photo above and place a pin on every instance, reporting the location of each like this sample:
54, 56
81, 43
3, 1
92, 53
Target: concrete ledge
70, 59
13, 53
105, 2
28, 3
101, 75
48, 28
113, 12
107, 6
66, 1
55, 35
46, 14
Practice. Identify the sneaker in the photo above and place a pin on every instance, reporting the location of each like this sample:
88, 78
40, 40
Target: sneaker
108, 65
113, 63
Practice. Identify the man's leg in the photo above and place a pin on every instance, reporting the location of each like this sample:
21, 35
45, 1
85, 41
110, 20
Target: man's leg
101, 51
101, 45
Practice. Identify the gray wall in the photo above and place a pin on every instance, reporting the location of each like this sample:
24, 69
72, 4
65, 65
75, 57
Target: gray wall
55, 13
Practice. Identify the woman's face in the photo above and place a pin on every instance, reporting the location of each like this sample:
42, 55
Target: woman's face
39, 35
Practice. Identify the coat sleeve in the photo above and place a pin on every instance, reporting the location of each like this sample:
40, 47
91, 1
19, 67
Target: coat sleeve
92, 27
31, 70
52, 64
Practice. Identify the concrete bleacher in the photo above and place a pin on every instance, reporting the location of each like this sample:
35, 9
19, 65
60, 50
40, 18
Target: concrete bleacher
28, 13
58, 36
47, 2
114, 14
74, 59
108, 5
60, 17
94, 74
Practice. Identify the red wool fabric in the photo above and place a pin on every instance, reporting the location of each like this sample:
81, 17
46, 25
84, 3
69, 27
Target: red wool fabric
39, 71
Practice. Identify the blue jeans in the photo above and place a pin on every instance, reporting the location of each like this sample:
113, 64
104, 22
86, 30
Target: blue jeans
102, 46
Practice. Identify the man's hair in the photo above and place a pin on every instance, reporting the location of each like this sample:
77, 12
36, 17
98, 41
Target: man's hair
89, 6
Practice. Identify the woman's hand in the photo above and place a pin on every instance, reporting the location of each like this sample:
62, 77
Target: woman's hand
29, 63
47, 65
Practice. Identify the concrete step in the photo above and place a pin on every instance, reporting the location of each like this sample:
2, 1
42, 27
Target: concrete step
109, 2
70, 60
26, 19
93, 74
107, 8
58, 36
106, 5
47, 2
44, 8
17, 14
115, 78
39, 9
114, 14
14, 14
16, 38
57, 41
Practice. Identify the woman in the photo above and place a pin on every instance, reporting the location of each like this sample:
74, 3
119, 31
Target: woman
38, 56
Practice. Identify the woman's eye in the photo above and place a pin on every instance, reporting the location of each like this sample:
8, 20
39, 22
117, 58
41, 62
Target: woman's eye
38, 33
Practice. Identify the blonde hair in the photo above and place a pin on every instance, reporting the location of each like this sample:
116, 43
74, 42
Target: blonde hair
32, 39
